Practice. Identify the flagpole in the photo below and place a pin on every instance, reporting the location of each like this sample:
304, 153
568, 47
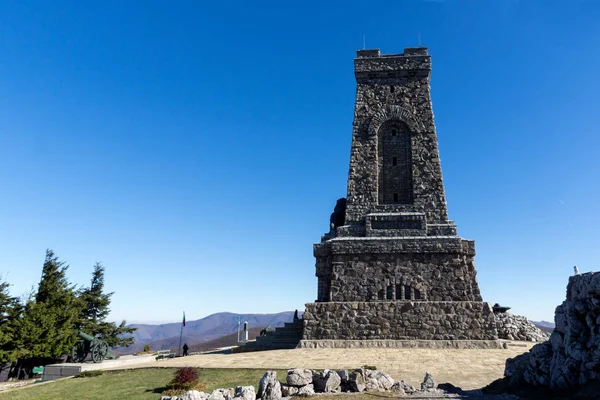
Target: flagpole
181, 335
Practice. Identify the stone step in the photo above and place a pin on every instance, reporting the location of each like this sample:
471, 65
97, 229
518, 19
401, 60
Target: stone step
270, 347
286, 333
279, 340
286, 337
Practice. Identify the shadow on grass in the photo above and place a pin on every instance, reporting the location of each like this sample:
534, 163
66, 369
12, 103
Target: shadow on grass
158, 390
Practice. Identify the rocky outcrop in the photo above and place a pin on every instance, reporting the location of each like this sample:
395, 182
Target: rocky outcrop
330, 381
221, 394
356, 381
307, 390
245, 393
428, 382
193, 395
570, 359
517, 327
327, 381
216, 394
269, 387
299, 377
403, 388
287, 390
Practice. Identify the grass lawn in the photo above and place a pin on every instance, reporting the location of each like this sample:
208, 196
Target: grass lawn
134, 384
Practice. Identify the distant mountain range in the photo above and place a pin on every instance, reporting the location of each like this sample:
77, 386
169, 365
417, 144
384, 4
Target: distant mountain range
544, 326
166, 336
224, 341
210, 332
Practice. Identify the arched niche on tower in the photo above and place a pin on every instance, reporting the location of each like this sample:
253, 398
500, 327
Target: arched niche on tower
394, 163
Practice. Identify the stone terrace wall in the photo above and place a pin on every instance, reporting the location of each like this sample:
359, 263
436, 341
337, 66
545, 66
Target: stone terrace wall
400, 320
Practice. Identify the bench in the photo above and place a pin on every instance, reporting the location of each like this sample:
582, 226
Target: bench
161, 355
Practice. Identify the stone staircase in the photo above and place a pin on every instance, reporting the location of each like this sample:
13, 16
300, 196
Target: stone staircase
285, 337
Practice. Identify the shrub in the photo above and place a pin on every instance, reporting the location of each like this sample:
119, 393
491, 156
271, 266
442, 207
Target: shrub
371, 367
88, 374
147, 348
185, 378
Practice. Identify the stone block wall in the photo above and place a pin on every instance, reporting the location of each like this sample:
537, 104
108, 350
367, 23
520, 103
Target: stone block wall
399, 320
376, 269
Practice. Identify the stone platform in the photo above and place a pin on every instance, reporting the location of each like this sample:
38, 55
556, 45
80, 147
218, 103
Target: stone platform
56, 371
400, 320
403, 344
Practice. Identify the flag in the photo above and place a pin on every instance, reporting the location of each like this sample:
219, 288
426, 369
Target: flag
183, 319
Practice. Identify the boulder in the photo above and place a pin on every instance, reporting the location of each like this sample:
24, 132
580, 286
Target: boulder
244, 393
299, 377
384, 380
405, 386
191, 395
269, 387
402, 388
397, 388
288, 390
344, 375
371, 384
357, 381
221, 394
427, 382
307, 390
368, 373
327, 381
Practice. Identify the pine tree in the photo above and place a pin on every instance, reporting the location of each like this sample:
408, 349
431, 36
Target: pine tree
47, 328
57, 307
96, 309
96, 302
10, 313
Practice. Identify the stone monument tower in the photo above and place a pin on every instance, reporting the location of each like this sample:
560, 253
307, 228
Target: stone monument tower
392, 267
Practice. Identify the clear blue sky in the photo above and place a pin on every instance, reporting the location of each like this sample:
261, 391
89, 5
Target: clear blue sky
197, 149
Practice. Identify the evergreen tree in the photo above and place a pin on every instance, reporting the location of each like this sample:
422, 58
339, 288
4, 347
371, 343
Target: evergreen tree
47, 329
96, 302
96, 305
57, 307
10, 313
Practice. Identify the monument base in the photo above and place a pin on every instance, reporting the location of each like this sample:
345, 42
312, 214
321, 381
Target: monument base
403, 344
399, 320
